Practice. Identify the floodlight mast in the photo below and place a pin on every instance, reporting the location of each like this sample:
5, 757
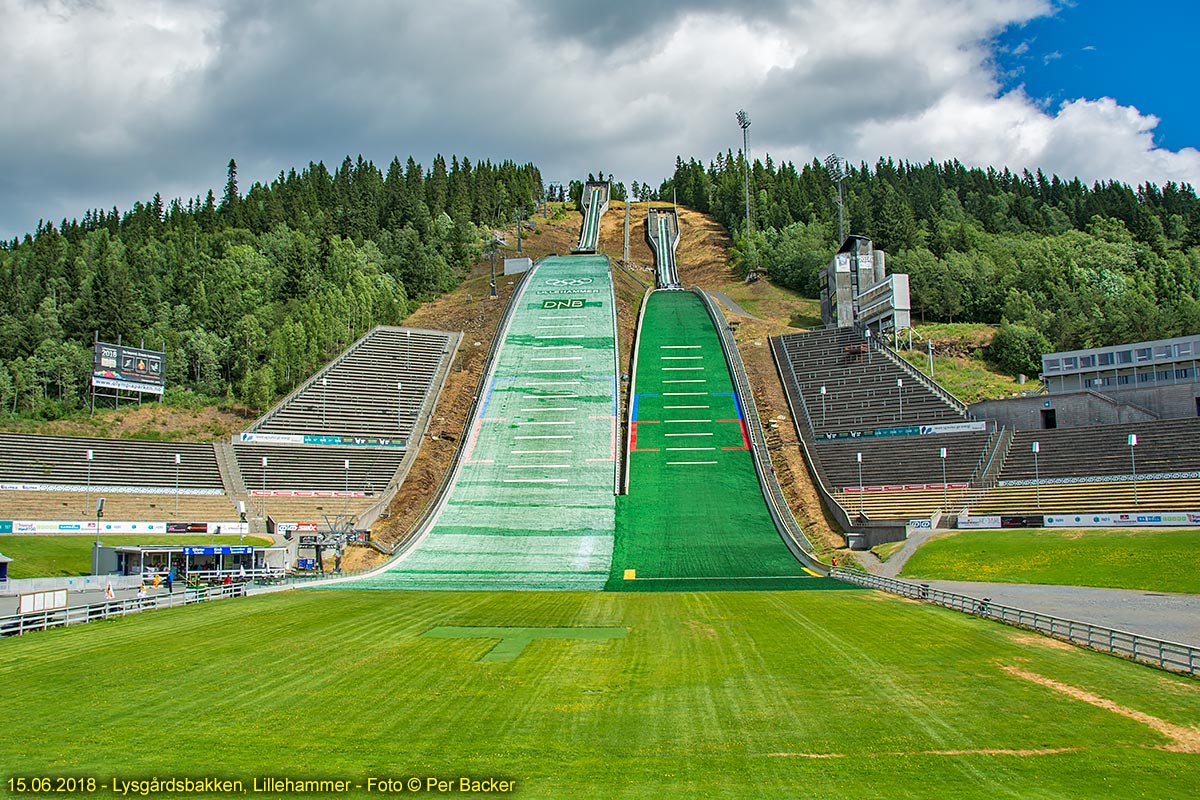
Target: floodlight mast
835, 167
743, 120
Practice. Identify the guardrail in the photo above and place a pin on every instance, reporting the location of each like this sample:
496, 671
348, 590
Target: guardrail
17, 624
877, 344
777, 504
1171, 656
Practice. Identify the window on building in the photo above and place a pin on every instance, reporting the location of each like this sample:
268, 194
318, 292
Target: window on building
1142, 354
1106, 359
1124, 356
1087, 362
1051, 365
1070, 362
1162, 351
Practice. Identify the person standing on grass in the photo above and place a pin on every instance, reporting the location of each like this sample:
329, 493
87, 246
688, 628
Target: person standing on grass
170, 579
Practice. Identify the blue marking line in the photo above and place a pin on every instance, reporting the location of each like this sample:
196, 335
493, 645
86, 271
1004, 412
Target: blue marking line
636, 398
487, 398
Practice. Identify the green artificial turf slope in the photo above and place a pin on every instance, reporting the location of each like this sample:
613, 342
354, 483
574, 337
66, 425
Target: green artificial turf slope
694, 516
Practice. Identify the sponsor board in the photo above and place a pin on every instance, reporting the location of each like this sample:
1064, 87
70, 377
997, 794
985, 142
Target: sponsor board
919, 524
52, 526
6, 526
979, 522
1137, 519
284, 527
219, 550
116, 366
337, 441
954, 427
299, 493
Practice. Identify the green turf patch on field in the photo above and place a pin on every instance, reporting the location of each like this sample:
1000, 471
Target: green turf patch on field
68, 555
817, 695
1152, 559
694, 509
512, 641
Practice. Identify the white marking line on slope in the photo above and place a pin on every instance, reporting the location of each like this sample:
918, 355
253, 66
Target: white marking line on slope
555, 383
568, 316
679, 369
559, 347
562, 326
687, 406
672, 449
687, 380
565, 436
557, 358
538, 466
557, 369
687, 434
536, 480
554, 408
681, 358
670, 421
685, 394
537, 452
555, 422
691, 462
560, 336
680, 346
548, 396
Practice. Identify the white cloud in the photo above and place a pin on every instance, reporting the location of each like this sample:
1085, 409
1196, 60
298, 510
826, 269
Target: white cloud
112, 101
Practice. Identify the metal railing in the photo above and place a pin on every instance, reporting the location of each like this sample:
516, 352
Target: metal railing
17, 624
930, 385
1171, 656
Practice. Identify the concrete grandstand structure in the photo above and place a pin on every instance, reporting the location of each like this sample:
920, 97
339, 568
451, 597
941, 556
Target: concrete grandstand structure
338, 444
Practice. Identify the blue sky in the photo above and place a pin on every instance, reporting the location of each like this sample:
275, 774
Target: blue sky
1141, 54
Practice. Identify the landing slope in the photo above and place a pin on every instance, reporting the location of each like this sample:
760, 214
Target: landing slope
694, 516
532, 505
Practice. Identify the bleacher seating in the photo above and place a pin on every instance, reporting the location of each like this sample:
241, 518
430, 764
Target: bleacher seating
356, 395
906, 460
1164, 447
117, 506
315, 468
63, 461
860, 387
900, 503
1097, 496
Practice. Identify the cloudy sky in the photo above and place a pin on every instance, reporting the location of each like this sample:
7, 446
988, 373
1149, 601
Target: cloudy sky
107, 101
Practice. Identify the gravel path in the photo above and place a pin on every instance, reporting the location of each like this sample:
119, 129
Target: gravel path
1172, 617
891, 568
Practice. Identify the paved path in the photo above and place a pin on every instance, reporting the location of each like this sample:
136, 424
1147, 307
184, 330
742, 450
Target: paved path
727, 301
891, 568
1172, 617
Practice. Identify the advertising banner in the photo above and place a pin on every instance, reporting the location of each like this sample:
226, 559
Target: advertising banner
116, 366
977, 523
1137, 519
219, 550
52, 526
335, 441
6, 526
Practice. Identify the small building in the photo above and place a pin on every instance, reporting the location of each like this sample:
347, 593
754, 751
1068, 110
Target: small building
205, 563
1163, 362
4, 562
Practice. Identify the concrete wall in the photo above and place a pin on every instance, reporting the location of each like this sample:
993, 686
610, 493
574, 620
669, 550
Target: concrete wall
1078, 409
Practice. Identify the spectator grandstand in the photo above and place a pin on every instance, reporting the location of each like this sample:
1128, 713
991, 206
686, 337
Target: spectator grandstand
356, 394
1164, 448
115, 464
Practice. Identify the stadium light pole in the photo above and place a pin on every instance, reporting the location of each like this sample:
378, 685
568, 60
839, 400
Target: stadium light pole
822, 405
900, 395
96, 547
324, 395
945, 500
87, 497
743, 120
858, 458
834, 166
177, 460
263, 506
1133, 464
399, 408
1036, 447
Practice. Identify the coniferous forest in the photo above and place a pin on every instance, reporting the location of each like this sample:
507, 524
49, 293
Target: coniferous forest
1057, 264
249, 293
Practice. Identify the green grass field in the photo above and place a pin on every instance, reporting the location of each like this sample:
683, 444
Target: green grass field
740, 694
1153, 559
68, 555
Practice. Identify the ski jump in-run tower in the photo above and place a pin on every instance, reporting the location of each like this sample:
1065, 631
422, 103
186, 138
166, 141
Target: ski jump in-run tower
662, 229
594, 203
